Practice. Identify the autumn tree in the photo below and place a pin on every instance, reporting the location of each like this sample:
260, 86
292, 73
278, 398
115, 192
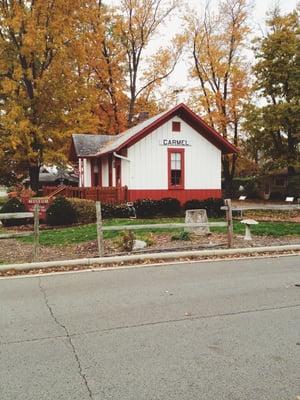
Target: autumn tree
44, 92
105, 58
140, 22
217, 42
273, 127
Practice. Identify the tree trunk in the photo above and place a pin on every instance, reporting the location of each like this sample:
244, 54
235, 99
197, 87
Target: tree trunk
34, 172
131, 112
228, 177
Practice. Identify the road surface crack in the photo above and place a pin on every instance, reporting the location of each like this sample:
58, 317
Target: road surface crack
68, 336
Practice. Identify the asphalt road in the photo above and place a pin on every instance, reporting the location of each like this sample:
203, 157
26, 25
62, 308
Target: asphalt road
217, 330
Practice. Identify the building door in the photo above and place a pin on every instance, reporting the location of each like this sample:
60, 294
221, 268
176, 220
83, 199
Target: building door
176, 168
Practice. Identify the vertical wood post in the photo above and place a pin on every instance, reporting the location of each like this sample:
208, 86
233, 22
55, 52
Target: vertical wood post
99, 229
229, 223
36, 233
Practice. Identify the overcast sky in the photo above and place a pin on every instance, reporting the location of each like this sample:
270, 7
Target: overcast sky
173, 26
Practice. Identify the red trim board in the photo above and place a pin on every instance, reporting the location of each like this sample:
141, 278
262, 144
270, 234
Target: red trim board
182, 195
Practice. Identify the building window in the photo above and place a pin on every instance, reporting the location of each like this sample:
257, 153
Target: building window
176, 126
176, 168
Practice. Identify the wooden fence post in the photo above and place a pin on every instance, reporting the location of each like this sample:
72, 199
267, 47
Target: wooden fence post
229, 222
36, 232
99, 229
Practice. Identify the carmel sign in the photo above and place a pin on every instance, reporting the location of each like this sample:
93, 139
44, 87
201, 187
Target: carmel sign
175, 142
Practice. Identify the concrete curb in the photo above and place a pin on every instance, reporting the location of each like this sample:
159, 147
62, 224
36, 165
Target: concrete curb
143, 257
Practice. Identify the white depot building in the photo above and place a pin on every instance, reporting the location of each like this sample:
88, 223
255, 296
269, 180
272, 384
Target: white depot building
174, 154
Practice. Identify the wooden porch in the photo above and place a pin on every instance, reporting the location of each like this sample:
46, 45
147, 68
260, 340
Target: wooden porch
111, 195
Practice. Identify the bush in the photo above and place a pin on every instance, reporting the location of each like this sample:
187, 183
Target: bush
121, 211
277, 196
85, 210
13, 205
115, 211
107, 210
146, 208
211, 205
61, 212
169, 207
181, 236
127, 241
250, 185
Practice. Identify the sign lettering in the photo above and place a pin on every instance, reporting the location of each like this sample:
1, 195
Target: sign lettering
175, 142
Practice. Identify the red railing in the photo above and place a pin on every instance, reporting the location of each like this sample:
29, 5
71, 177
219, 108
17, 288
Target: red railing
112, 195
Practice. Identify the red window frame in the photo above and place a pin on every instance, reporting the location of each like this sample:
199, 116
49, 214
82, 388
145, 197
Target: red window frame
182, 153
176, 126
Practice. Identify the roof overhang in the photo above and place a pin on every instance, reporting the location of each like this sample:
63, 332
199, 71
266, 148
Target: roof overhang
188, 116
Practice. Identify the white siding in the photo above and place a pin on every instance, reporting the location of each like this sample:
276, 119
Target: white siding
80, 169
87, 173
125, 172
148, 167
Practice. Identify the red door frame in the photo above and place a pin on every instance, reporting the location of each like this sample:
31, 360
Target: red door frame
182, 152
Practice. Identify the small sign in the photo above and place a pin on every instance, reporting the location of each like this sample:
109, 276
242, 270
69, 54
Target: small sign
175, 142
38, 201
289, 199
242, 198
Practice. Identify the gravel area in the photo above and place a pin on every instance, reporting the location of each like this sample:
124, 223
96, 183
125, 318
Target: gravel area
14, 251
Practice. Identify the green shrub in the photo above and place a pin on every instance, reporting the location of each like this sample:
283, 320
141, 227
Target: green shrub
13, 205
3, 200
107, 210
146, 208
293, 188
85, 210
61, 212
169, 207
121, 211
211, 205
115, 211
250, 185
181, 236
277, 196
127, 241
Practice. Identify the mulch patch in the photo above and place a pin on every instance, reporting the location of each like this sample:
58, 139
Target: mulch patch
14, 251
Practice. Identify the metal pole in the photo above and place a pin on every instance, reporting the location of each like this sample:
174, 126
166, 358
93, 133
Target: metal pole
229, 222
99, 229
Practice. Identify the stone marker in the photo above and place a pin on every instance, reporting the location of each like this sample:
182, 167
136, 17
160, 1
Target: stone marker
197, 217
139, 245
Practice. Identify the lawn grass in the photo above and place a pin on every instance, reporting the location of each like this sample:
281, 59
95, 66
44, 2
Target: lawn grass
85, 233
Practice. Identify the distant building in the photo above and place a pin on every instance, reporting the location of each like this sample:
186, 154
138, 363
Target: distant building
279, 184
54, 176
174, 154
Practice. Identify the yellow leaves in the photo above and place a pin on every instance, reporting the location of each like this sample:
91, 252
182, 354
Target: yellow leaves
8, 86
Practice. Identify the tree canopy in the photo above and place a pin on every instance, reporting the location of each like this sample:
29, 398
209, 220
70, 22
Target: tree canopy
273, 126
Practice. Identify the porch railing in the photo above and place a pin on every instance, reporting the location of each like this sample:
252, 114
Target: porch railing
112, 195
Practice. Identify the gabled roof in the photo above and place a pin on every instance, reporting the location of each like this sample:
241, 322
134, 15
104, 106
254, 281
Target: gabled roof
88, 144
97, 145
